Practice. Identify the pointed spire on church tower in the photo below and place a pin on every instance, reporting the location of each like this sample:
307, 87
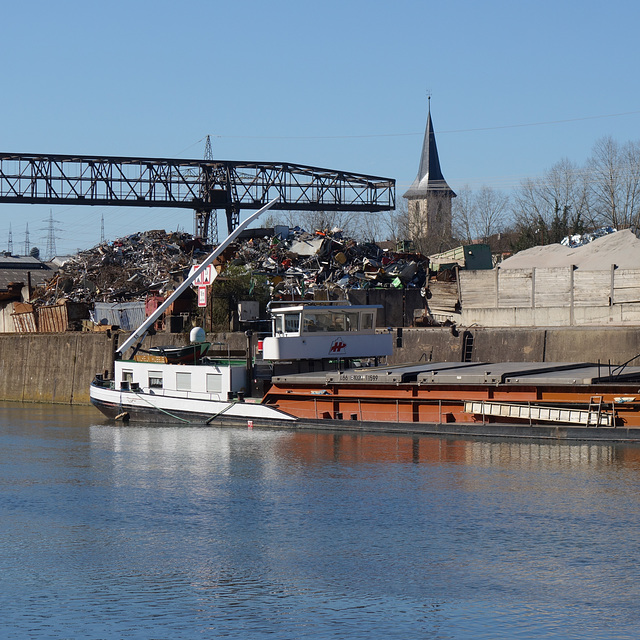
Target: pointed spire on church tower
429, 199
429, 176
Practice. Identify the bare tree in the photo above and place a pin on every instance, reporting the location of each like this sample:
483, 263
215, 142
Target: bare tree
615, 182
372, 227
398, 221
490, 212
477, 215
555, 205
632, 195
463, 213
566, 188
563, 187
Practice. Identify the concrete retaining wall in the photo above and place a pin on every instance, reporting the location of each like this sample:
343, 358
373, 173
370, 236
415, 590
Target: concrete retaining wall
58, 368
561, 344
55, 368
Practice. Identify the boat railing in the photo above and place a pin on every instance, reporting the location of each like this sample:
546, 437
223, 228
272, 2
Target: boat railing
102, 382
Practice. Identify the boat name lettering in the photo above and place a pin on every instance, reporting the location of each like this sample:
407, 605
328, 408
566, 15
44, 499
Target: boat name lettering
359, 377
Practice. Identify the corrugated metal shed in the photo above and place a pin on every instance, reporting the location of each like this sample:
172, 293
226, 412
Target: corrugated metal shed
25, 321
56, 318
468, 256
127, 315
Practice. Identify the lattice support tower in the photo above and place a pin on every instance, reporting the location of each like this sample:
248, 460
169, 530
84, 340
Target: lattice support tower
51, 237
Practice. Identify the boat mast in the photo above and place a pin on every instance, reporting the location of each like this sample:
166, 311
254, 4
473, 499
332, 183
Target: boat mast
140, 332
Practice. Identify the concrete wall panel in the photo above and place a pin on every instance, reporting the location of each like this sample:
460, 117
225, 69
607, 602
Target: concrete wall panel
515, 288
591, 288
14, 359
478, 289
552, 287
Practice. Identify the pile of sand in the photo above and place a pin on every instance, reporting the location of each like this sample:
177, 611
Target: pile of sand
621, 248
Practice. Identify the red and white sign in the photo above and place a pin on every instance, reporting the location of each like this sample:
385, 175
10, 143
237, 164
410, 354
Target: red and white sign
202, 296
205, 278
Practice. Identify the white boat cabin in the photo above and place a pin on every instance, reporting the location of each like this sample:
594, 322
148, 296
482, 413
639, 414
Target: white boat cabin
208, 380
313, 332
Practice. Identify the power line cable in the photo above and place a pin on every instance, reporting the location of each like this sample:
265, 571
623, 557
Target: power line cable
420, 133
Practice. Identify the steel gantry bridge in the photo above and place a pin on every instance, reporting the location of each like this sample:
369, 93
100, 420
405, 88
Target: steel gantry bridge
201, 185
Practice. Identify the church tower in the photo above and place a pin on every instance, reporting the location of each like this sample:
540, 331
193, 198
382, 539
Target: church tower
429, 198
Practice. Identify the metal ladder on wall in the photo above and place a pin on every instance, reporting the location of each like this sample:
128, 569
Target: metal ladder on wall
595, 411
467, 346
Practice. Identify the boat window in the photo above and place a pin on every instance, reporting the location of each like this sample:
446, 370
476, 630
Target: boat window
183, 381
352, 320
292, 322
214, 382
127, 376
155, 379
330, 321
337, 322
310, 323
367, 321
316, 321
278, 324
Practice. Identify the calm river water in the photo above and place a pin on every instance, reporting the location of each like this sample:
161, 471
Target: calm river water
160, 532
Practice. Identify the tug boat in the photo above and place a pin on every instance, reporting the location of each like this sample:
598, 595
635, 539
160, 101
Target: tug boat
315, 379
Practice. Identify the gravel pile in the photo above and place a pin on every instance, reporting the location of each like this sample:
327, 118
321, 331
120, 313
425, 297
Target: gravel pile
621, 248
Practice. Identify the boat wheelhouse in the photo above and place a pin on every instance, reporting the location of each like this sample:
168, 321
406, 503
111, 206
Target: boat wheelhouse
317, 332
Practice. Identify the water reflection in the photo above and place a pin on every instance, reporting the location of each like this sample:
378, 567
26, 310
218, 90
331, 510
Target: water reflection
124, 531
310, 448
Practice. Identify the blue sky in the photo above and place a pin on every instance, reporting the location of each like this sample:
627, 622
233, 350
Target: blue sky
516, 86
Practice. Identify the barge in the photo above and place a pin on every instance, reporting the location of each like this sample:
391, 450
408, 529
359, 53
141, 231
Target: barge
572, 401
581, 401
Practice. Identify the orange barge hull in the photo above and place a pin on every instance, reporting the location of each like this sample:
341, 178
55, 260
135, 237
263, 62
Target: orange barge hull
578, 395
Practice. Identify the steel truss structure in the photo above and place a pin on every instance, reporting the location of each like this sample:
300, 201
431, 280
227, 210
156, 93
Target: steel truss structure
201, 185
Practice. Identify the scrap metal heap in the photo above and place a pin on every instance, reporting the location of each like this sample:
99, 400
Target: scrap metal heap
294, 261
301, 264
124, 270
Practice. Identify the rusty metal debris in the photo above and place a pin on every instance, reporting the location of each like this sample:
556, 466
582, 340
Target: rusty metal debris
296, 263
299, 263
126, 269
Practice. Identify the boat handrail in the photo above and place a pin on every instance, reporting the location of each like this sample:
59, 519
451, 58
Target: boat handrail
303, 303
